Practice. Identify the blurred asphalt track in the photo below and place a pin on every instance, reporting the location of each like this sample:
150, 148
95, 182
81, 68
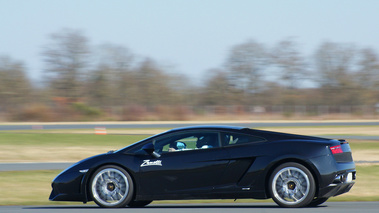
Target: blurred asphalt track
335, 207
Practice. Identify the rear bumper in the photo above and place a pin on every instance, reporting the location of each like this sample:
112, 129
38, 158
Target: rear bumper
335, 189
342, 184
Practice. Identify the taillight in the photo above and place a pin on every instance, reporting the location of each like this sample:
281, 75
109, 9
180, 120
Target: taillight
336, 149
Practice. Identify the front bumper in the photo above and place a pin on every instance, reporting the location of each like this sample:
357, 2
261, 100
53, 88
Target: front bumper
68, 186
66, 197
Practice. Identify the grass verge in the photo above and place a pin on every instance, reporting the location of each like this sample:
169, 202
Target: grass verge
59, 147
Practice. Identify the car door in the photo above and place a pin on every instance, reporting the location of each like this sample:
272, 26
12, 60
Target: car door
243, 150
193, 168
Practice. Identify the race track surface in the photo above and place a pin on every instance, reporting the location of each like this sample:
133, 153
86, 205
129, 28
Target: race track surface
335, 207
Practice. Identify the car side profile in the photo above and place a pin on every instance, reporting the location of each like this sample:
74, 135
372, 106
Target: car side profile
212, 162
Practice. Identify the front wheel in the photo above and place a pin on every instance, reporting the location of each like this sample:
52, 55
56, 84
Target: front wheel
111, 186
292, 185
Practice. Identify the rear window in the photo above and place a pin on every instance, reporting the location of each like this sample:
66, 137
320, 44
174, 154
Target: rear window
237, 138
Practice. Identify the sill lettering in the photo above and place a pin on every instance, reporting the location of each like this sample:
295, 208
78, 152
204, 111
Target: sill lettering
151, 163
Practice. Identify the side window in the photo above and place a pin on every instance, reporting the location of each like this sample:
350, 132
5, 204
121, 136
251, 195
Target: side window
236, 138
186, 141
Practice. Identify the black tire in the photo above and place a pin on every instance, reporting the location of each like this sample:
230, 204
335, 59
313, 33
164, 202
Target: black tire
139, 204
318, 201
292, 185
111, 187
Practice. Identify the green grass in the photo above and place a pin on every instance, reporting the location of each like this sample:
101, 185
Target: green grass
363, 145
25, 187
84, 131
59, 147
33, 188
44, 139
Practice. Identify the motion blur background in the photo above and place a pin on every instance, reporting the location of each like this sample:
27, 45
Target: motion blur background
188, 60
240, 61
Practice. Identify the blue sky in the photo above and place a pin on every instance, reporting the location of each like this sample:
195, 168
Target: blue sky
190, 36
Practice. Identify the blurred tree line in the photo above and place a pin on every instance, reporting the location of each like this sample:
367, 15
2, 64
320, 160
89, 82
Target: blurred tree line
109, 82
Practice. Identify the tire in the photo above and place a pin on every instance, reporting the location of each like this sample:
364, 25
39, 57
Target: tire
111, 187
318, 201
292, 185
139, 204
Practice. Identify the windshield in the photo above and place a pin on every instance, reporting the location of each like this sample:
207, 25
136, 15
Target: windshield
138, 142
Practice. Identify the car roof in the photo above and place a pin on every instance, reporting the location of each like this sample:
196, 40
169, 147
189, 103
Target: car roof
208, 127
269, 135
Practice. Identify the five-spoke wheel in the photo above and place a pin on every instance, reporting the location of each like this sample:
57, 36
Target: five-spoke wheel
292, 185
111, 186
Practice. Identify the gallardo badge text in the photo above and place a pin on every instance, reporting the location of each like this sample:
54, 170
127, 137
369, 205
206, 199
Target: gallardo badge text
151, 163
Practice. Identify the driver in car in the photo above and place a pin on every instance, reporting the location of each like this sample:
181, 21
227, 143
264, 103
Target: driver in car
177, 146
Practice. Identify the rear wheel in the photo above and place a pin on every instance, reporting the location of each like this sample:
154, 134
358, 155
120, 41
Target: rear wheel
111, 186
292, 185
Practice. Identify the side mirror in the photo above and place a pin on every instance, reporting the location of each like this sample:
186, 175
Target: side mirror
149, 149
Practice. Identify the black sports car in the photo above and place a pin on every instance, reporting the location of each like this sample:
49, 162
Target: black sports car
212, 162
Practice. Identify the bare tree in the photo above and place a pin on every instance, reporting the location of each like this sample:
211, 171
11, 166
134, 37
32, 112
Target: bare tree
217, 89
112, 79
151, 84
66, 61
99, 89
367, 76
246, 64
15, 87
290, 62
334, 68
333, 64
368, 73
